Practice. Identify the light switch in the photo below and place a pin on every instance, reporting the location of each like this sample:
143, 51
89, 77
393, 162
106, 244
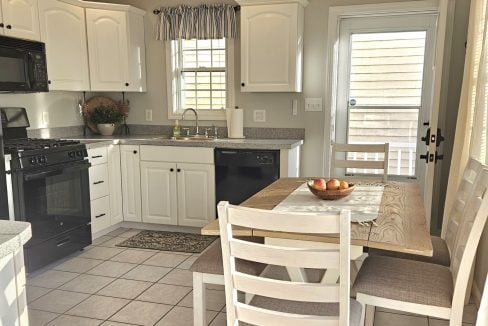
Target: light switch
149, 115
45, 118
313, 104
259, 115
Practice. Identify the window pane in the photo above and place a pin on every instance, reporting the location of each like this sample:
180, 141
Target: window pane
396, 126
387, 68
201, 87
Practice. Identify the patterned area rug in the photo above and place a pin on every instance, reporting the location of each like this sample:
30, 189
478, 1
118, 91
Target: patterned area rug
169, 241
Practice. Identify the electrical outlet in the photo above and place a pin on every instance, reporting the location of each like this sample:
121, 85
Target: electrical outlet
259, 115
45, 117
149, 115
313, 104
294, 110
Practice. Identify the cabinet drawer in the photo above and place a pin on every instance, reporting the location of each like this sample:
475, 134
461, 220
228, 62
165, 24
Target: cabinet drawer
176, 154
100, 214
97, 155
99, 181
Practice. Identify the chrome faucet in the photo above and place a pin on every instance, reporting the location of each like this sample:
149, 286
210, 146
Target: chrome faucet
196, 118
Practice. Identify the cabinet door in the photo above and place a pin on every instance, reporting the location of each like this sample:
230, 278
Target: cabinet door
159, 198
269, 48
131, 183
196, 194
114, 180
63, 29
21, 19
107, 49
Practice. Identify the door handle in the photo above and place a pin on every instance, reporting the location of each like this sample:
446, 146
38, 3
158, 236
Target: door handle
426, 138
440, 138
98, 182
438, 156
425, 157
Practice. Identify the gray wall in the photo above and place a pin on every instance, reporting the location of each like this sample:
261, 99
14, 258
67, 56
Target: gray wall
62, 107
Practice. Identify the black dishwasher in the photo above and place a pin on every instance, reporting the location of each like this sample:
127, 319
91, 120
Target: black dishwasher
240, 173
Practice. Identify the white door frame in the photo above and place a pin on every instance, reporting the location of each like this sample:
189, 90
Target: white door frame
336, 14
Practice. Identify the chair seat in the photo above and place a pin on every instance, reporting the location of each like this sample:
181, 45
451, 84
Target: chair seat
306, 308
440, 257
405, 281
210, 261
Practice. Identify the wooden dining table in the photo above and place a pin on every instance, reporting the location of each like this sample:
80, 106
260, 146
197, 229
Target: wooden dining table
400, 226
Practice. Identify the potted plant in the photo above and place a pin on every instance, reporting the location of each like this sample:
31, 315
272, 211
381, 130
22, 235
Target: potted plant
105, 118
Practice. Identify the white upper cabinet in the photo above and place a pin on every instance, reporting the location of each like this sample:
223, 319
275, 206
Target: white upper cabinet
63, 30
271, 46
116, 50
20, 19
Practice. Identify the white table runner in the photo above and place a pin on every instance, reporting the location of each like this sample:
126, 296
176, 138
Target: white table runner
364, 202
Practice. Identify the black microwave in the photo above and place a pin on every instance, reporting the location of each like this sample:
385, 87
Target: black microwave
23, 66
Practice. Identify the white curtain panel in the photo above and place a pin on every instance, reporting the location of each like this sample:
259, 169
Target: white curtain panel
471, 128
202, 22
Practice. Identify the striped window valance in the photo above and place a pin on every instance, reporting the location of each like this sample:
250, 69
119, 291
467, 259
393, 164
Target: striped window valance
202, 22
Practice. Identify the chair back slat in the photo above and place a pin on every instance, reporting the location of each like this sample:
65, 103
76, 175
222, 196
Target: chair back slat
469, 235
237, 281
308, 292
259, 316
466, 187
283, 256
284, 222
360, 164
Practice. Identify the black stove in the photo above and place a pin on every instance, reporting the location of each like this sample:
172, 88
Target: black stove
28, 153
50, 188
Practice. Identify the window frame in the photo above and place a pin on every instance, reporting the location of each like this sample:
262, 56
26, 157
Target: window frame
173, 84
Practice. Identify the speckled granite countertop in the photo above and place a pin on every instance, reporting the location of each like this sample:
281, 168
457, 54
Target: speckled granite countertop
13, 235
98, 141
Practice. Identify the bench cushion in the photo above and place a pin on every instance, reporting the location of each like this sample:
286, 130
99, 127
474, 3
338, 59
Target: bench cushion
210, 261
440, 256
405, 280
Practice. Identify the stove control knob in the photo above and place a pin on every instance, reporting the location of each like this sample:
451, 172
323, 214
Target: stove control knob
71, 154
79, 153
33, 161
42, 159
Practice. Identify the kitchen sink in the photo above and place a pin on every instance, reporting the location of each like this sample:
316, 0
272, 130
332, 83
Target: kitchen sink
194, 138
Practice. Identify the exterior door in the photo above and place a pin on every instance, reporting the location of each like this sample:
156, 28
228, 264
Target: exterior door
21, 19
131, 182
385, 90
107, 49
63, 29
196, 194
159, 197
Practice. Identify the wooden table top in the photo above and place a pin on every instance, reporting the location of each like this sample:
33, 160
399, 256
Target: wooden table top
401, 225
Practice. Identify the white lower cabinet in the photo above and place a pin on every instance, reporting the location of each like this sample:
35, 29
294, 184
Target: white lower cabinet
115, 184
158, 190
131, 182
100, 214
179, 190
196, 194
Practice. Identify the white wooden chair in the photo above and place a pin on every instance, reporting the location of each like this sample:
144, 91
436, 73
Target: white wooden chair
208, 269
482, 319
345, 163
282, 302
445, 244
424, 288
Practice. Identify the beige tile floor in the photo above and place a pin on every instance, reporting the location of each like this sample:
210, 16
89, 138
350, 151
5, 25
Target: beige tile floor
112, 286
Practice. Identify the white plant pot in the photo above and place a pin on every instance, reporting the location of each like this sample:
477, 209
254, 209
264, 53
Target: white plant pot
106, 129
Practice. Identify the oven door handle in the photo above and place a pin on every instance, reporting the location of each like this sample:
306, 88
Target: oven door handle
56, 171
